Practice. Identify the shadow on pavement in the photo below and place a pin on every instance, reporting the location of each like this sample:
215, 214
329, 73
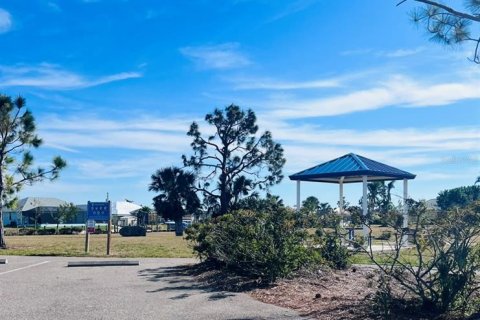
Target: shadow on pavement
197, 277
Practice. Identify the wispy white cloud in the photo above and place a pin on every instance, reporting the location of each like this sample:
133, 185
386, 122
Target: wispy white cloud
440, 139
292, 8
5, 21
92, 123
50, 76
398, 90
121, 168
222, 56
356, 52
118, 139
398, 53
272, 84
77, 133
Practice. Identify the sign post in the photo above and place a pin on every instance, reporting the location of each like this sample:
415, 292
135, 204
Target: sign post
109, 235
100, 211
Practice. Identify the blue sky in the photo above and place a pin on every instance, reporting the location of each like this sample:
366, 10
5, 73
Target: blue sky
114, 86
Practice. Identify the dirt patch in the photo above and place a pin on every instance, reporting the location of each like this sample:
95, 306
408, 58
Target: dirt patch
322, 294
325, 294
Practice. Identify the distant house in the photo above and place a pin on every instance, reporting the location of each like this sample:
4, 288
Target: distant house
39, 208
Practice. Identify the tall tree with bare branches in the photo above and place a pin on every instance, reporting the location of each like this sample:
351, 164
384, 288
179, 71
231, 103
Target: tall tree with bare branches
233, 161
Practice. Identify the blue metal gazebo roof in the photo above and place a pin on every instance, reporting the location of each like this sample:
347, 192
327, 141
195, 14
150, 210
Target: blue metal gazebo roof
352, 168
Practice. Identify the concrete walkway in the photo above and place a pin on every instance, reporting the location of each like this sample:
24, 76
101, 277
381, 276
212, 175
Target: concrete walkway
44, 288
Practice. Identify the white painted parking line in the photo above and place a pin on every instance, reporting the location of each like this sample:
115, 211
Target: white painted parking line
22, 268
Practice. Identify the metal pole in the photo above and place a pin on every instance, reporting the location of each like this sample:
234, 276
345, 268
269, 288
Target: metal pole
298, 195
405, 211
364, 206
87, 240
405, 197
340, 202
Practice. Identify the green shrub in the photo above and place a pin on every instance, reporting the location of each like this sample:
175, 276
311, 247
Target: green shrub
26, 231
441, 269
70, 230
45, 231
265, 245
385, 235
133, 231
11, 232
334, 252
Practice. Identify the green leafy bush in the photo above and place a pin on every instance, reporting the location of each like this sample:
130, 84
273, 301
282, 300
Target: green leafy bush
133, 231
26, 231
441, 269
45, 231
334, 252
385, 235
265, 244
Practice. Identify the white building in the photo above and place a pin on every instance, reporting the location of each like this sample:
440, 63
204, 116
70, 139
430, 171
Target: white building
122, 213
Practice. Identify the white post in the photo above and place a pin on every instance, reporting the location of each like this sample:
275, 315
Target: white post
405, 211
405, 208
364, 205
340, 202
298, 195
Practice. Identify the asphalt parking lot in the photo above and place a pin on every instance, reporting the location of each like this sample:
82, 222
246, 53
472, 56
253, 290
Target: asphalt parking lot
45, 288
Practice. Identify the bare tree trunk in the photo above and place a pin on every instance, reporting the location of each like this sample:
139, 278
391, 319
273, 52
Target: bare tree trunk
179, 228
3, 244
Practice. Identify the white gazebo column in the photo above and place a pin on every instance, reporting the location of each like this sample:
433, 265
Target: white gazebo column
340, 202
405, 210
364, 206
298, 195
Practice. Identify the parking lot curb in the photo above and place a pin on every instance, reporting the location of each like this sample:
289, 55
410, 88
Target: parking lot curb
107, 263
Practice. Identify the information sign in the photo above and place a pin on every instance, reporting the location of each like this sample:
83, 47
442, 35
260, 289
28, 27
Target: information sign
98, 211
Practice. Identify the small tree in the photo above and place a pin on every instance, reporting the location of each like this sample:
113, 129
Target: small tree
65, 212
233, 161
17, 136
311, 205
448, 25
142, 215
177, 197
458, 197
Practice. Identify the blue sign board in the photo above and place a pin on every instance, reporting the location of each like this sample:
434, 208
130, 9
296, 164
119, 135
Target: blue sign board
98, 211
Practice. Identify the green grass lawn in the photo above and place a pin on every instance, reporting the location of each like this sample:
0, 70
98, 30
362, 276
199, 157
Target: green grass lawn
154, 245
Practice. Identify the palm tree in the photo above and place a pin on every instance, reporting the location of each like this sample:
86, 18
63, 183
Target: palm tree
177, 196
142, 215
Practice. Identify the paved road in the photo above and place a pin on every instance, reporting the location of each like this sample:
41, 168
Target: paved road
44, 288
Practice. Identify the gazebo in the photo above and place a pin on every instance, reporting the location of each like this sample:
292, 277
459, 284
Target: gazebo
352, 168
